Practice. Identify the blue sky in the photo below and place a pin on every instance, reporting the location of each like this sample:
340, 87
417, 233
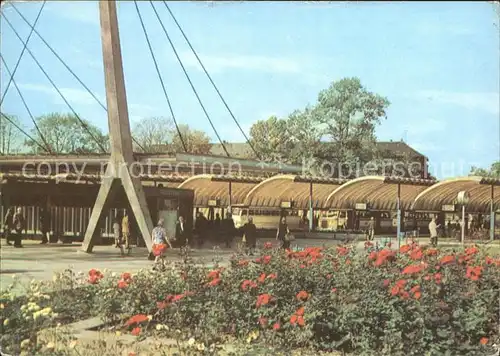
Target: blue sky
438, 64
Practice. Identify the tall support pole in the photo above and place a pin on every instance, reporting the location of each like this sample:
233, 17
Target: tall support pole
311, 211
462, 238
398, 219
121, 162
492, 213
230, 195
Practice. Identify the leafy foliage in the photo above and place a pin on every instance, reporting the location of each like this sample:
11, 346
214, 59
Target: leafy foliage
493, 172
64, 134
338, 128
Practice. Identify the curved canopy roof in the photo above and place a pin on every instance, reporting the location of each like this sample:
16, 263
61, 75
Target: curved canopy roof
445, 193
209, 187
379, 193
286, 188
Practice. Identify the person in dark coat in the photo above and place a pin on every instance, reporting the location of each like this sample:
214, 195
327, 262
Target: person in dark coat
250, 234
44, 225
201, 229
282, 232
181, 233
8, 225
228, 229
19, 223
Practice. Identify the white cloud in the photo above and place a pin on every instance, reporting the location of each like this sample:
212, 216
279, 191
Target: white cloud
72, 95
485, 101
219, 63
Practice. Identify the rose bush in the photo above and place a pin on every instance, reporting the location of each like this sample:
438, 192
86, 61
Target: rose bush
418, 301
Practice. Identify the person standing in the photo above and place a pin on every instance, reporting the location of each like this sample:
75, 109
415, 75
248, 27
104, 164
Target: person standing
117, 231
433, 231
371, 229
8, 225
19, 223
282, 232
44, 225
201, 228
126, 230
160, 243
250, 234
228, 229
180, 233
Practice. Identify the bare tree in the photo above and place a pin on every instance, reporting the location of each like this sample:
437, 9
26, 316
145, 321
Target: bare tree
10, 137
154, 134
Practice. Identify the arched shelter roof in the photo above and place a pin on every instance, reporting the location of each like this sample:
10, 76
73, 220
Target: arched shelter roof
378, 192
291, 188
210, 187
481, 190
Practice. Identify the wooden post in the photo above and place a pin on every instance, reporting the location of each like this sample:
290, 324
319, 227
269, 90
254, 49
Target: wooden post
399, 216
311, 212
492, 213
230, 195
120, 163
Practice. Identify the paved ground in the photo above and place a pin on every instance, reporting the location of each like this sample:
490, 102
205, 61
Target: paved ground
40, 262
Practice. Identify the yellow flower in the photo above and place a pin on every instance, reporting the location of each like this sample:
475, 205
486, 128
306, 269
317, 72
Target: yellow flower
118, 333
2, 306
252, 336
54, 278
150, 317
201, 347
50, 345
25, 343
72, 344
6, 322
191, 341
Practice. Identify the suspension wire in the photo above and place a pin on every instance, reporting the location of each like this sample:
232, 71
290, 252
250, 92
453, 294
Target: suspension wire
211, 81
48, 149
22, 52
67, 67
189, 80
22, 131
159, 76
58, 57
82, 123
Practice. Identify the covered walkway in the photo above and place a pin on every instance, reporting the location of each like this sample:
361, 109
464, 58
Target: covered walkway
484, 194
377, 193
227, 190
298, 190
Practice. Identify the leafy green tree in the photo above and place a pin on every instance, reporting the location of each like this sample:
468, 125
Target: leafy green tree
493, 172
339, 129
348, 114
271, 139
196, 141
65, 134
11, 139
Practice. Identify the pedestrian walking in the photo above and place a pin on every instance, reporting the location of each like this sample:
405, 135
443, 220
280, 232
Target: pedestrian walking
160, 244
44, 225
126, 231
250, 236
19, 223
433, 230
283, 234
8, 225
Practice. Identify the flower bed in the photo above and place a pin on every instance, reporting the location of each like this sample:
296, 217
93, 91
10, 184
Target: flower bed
416, 300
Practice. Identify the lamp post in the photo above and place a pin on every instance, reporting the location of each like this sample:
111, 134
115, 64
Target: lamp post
463, 199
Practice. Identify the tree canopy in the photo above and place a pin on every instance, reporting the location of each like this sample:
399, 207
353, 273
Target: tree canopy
65, 134
11, 139
492, 172
339, 128
159, 135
